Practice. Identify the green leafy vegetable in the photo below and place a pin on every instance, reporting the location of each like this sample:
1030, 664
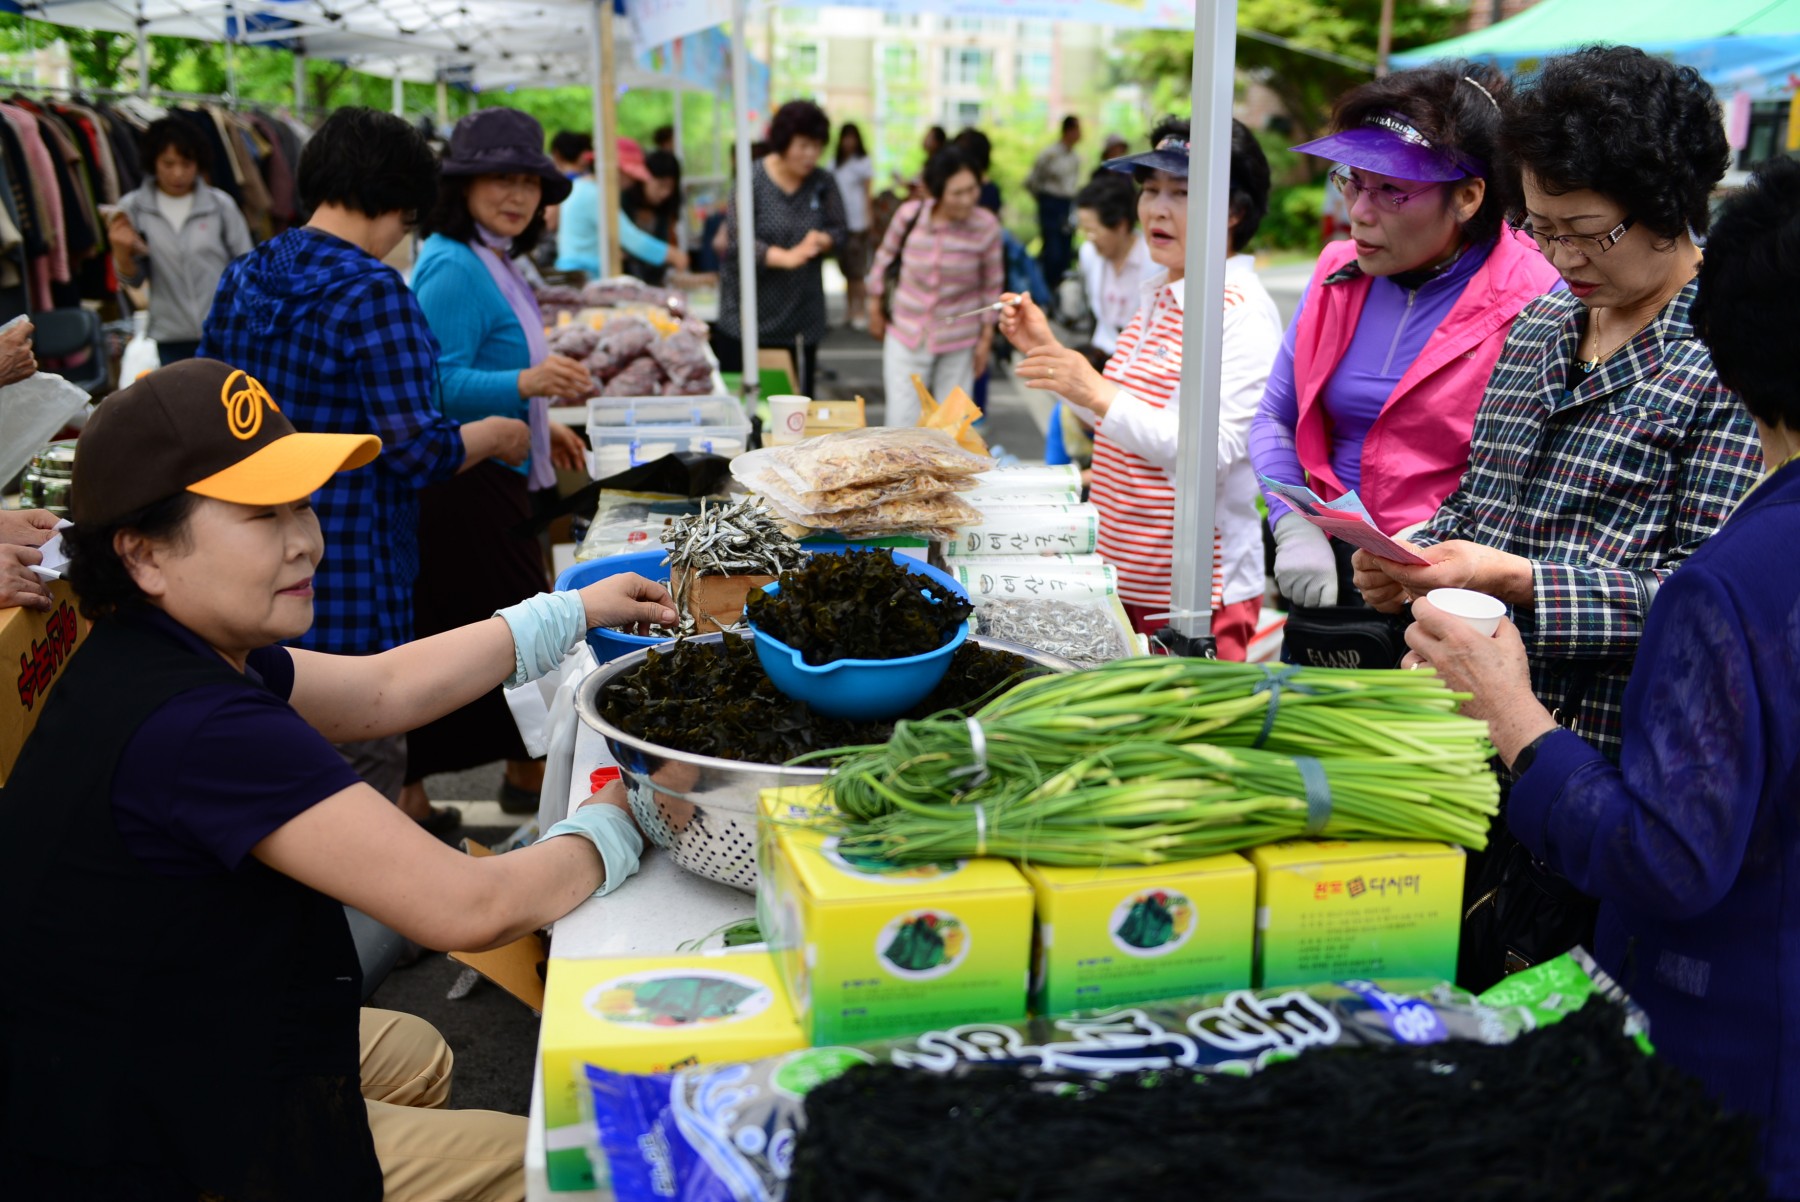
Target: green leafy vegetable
858, 605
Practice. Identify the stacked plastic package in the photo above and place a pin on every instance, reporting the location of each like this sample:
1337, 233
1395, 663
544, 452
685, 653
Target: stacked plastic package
873, 482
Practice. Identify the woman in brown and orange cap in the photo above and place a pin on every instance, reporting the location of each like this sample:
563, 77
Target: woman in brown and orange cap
199, 837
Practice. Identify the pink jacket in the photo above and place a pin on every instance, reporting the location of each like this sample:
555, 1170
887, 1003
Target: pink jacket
1416, 451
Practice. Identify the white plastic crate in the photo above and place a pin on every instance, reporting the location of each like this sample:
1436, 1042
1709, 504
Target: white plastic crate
626, 432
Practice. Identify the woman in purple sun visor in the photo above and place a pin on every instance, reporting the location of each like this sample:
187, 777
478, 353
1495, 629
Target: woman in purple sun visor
1378, 378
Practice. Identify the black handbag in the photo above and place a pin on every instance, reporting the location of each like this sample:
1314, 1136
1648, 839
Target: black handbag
1343, 636
890, 275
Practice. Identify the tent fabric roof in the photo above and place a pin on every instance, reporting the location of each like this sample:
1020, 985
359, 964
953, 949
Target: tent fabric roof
1737, 45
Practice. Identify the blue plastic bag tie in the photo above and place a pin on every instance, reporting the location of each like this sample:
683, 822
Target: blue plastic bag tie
1273, 681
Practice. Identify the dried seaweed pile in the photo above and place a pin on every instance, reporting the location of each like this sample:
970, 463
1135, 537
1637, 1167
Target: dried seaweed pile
1573, 1112
858, 605
715, 699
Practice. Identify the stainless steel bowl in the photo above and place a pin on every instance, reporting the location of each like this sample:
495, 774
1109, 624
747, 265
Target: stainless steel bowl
700, 808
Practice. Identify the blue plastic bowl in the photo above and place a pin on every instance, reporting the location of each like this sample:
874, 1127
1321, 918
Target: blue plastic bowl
861, 690
610, 644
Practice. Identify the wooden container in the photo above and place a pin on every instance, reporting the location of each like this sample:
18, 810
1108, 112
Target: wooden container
716, 601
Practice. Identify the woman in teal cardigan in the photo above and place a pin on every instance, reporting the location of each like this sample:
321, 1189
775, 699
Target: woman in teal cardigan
493, 361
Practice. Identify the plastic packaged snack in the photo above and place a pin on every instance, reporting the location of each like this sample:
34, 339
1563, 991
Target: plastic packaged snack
849, 458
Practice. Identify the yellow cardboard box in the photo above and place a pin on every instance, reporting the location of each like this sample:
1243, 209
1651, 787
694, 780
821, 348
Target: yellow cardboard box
650, 1015
1333, 911
35, 647
1139, 932
872, 952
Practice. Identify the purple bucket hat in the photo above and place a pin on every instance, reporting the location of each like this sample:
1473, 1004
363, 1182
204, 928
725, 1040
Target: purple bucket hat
503, 142
1387, 145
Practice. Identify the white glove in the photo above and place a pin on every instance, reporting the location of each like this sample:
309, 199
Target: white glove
1305, 568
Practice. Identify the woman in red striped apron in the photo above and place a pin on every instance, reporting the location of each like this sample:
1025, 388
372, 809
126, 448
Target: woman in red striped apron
1134, 405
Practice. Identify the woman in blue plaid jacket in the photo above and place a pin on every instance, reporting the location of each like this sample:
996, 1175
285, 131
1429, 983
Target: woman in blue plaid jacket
1605, 450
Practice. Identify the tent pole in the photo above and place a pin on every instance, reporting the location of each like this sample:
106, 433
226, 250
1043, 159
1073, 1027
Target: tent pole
443, 101
1203, 321
605, 153
143, 52
399, 96
231, 36
300, 83
748, 327
608, 132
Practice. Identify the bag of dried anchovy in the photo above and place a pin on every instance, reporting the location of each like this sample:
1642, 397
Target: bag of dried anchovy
726, 1133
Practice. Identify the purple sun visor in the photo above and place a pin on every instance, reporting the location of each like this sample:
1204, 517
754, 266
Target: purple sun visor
1387, 145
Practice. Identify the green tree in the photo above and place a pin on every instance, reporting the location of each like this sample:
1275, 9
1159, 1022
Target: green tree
1306, 84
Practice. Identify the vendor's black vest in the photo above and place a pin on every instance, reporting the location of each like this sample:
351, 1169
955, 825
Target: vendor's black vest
162, 1037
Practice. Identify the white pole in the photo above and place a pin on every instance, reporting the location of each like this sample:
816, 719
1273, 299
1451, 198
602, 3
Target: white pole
605, 157
300, 83
143, 52
231, 53
680, 141
746, 213
399, 102
1203, 317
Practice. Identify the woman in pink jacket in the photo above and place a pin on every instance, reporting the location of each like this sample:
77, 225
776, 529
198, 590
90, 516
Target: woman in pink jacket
1379, 376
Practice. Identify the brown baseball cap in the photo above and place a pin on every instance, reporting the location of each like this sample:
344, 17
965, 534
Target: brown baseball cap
203, 427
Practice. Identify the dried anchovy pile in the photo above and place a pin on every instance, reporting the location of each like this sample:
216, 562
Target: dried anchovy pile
1573, 1112
740, 539
1082, 632
715, 699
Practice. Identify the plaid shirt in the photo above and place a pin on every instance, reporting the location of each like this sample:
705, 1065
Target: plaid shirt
1606, 482
341, 344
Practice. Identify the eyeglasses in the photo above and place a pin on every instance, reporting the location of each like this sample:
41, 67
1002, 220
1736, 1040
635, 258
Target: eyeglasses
1385, 197
1587, 246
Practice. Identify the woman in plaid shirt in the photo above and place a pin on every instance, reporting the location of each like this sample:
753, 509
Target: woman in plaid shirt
1605, 450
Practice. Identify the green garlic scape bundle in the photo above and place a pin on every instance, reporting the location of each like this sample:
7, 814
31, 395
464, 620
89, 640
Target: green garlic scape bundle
1151, 760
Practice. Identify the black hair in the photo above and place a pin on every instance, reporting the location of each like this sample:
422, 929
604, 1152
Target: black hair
661, 165
172, 133
1632, 127
1249, 184
1745, 309
569, 145
661, 134
1113, 199
976, 149
798, 119
97, 574
368, 161
1457, 106
849, 129
942, 166
449, 215
1071, 122
937, 137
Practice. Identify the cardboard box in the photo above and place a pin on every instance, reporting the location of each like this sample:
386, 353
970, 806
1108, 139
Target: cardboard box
1333, 911
650, 1015
828, 417
40, 644
1108, 936
869, 952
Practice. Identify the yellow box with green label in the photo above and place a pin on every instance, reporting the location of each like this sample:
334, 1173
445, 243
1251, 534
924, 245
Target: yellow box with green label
1140, 932
871, 951
1334, 911
650, 1015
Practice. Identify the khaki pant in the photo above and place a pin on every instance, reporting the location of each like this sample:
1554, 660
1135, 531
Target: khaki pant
428, 1153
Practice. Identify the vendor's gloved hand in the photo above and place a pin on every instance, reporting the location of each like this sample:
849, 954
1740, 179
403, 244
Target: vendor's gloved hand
1305, 569
628, 602
605, 821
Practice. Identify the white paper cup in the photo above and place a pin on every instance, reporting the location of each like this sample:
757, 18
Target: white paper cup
1477, 609
787, 419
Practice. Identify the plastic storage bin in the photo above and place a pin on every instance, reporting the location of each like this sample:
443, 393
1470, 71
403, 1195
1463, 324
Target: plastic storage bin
626, 432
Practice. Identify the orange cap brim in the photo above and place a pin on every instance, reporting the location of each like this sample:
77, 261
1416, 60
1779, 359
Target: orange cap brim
289, 469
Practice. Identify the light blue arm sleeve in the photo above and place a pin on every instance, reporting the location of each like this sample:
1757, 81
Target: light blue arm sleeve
639, 244
455, 292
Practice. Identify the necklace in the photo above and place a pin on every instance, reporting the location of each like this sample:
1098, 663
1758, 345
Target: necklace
1589, 366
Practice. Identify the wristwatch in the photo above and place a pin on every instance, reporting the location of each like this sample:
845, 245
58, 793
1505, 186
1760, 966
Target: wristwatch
1521, 763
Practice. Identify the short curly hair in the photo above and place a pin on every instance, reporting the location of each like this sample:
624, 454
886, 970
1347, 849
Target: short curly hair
1628, 125
1745, 308
173, 133
1458, 106
798, 119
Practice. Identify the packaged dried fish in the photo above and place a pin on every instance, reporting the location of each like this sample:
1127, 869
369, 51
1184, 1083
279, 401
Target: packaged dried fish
1087, 632
849, 458
756, 471
940, 511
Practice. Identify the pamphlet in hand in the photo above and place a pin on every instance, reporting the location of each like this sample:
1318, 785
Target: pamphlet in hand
1344, 518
